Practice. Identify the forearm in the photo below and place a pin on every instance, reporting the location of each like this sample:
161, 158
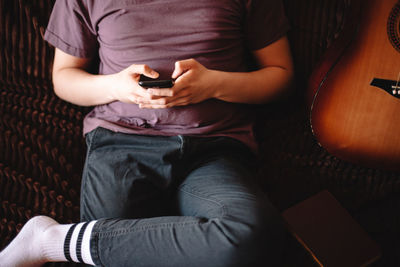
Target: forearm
255, 87
79, 87
195, 83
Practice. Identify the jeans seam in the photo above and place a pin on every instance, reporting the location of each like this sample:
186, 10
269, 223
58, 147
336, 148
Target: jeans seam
115, 233
93, 141
95, 252
87, 161
199, 195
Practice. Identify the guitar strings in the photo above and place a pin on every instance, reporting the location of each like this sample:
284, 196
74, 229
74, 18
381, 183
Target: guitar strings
396, 88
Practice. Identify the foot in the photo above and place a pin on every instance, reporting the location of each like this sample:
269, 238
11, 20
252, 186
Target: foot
26, 250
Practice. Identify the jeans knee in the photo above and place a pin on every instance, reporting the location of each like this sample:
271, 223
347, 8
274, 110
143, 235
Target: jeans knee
257, 243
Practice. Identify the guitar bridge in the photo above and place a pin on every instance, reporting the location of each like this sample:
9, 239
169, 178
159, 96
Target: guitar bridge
389, 86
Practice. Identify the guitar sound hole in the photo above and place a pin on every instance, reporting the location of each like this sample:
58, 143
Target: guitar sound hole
393, 26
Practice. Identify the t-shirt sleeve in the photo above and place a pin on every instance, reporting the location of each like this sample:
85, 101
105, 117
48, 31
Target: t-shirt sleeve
266, 22
70, 29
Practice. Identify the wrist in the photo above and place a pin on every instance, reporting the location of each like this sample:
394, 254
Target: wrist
110, 84
218, 81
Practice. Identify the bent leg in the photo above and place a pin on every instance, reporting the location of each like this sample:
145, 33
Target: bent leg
225, 222
126, 176
221, 189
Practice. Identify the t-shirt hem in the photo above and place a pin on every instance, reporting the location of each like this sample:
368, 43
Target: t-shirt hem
245, 137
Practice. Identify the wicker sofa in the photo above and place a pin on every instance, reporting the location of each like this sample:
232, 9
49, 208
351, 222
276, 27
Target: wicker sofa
42, 149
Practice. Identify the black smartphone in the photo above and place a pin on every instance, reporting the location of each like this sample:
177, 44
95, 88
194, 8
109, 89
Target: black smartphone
156, 83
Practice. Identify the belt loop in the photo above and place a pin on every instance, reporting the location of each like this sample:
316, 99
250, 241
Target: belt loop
182, 144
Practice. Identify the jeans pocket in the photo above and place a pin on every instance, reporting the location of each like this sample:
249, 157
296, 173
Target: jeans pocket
91, 139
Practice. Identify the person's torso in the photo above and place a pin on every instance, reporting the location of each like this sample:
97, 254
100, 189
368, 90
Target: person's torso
158, 33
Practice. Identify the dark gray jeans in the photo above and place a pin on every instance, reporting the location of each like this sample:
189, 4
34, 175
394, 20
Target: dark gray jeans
176, 201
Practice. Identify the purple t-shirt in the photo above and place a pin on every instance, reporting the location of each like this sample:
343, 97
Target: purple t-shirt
159, 33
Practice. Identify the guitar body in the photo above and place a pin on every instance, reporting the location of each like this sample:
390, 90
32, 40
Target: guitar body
354, 95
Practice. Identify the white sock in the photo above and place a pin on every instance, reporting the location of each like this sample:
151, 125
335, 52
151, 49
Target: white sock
43, 240
86, 255
26, 248
77, 243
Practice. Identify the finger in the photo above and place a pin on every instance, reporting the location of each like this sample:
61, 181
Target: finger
182, 101
182, 83
168, 102
169, 99
133, 99
145, 70
182, 66
158, 106
153, 106
138, 98
142, 92
158, 101
160, 92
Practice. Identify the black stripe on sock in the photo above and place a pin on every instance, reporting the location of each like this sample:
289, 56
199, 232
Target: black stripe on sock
79, 243
67, 242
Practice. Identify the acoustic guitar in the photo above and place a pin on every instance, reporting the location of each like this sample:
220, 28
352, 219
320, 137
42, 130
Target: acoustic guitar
354, 94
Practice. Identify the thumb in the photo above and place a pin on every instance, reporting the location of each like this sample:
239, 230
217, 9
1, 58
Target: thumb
144, 70
182, 66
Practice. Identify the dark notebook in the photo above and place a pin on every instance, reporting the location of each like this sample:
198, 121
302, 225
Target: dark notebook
327, 231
